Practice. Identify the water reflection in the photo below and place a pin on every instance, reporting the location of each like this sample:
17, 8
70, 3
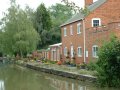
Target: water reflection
2, 87
18, 78
65, 85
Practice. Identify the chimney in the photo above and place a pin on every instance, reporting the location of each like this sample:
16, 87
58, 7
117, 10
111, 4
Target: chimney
88, 2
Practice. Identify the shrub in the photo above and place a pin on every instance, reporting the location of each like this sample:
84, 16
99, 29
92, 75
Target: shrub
81, 66
109, 63
92, 66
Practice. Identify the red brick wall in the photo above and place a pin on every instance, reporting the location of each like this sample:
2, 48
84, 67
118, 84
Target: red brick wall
108, 12
76, 40
101, 35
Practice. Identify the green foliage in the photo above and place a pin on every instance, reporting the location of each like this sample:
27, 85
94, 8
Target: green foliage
109, 63
85, 11
43, 24
75, 8
92, 66
47, 23
59, 14
18, 34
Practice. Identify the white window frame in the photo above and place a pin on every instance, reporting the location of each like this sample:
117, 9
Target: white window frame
94, 1
65, 31
72, 51
96, 19
79, 31
65, 51
71, 30
79, 53
94, 54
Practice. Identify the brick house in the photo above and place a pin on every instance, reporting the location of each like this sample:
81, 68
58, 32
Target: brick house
83, 35
45, 53
56, 51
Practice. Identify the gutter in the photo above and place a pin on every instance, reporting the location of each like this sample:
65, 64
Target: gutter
84, 37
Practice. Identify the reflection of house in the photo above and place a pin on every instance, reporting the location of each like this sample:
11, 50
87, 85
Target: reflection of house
83, 35
2, 87
56, 51
66, 85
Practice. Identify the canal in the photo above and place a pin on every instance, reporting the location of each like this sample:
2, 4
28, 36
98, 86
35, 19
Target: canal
14, 77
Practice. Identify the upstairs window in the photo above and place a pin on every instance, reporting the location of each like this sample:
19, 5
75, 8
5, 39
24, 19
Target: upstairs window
95, 51
71, 30
65, 32
96, 22
79, 51
78, 28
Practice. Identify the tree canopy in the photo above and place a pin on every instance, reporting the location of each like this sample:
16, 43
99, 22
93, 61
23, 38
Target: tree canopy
47, 23
18, 34
59, 14
42, 24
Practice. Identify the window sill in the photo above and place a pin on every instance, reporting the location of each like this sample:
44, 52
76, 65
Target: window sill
95, 56
65, 35
79, 55
79, 33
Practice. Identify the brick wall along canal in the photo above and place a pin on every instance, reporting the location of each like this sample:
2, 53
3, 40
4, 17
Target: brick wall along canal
18, 78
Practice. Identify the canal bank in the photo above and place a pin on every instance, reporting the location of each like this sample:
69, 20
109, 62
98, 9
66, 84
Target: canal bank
60, 72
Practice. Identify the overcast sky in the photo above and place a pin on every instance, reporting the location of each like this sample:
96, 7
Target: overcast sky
4, 4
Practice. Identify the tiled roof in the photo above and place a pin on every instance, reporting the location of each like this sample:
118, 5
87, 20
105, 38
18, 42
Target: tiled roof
80, 16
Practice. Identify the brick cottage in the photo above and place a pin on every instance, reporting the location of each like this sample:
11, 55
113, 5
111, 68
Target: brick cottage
83, 35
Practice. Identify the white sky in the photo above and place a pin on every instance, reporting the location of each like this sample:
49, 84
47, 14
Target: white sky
4, 4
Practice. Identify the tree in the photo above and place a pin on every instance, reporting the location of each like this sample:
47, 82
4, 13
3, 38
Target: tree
43, 25
109, 63
19, 34
76, 8
59, 14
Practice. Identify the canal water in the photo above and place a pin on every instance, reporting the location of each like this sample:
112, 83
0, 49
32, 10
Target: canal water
14, 77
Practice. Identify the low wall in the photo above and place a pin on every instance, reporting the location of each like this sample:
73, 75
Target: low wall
63, 73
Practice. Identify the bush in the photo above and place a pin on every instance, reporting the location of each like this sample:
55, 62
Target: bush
92, 66
109, 63
81, 66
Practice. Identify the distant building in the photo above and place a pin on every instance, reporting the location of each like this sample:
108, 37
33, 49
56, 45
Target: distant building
55, 52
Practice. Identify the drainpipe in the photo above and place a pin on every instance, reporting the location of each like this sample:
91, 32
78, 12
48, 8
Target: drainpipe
84, 36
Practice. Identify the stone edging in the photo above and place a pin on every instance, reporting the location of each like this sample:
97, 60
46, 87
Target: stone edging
63, 73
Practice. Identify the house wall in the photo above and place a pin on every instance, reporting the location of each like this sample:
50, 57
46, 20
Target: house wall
108, 12
76, 40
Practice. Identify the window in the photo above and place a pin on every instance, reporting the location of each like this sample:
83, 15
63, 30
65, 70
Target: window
95, 51
94, 1
72, 51
96, 22
65, 32
78, 28
79, 52
71, 30
65, 51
